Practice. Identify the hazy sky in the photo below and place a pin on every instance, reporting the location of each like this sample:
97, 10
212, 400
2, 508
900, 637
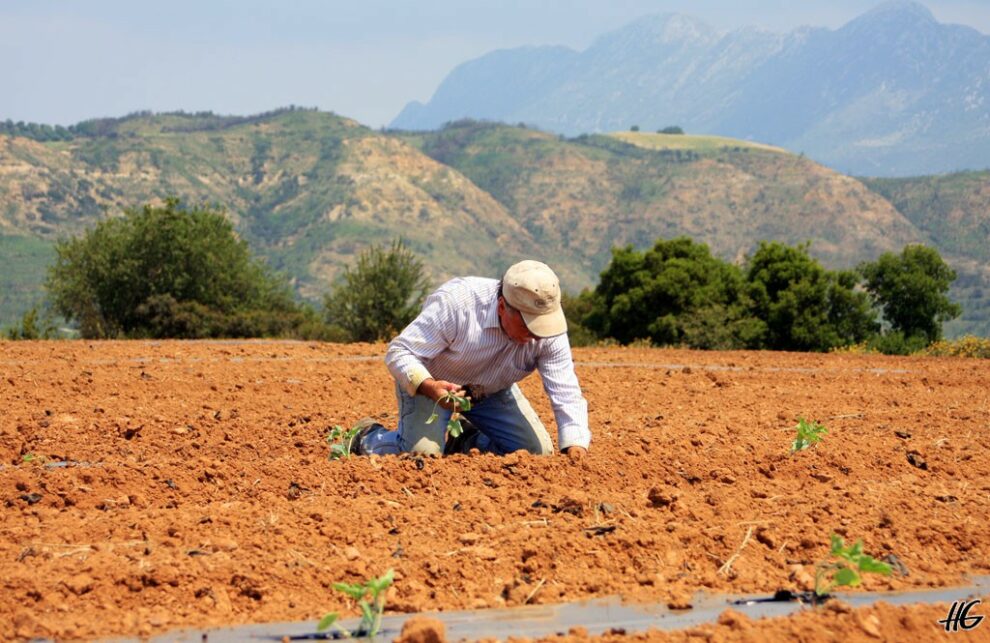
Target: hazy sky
65, 61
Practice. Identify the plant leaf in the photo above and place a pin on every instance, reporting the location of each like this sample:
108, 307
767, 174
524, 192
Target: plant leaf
856, 551
356, 592
433, 418
327, 621
837, 543
847, 577
381, 583
454, 428
870, 565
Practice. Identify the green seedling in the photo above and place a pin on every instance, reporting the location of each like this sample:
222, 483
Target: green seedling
370, 597
30, 457
808, 435
844, 566
341, 440
454, 427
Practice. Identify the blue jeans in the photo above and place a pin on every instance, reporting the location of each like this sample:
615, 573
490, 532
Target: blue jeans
506, 420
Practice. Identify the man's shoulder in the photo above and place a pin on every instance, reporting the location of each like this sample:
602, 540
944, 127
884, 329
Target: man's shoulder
465, 290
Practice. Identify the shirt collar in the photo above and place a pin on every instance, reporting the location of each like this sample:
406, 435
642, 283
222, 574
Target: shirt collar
489, 317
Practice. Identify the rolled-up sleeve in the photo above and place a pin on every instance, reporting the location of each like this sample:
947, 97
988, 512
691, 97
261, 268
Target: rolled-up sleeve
570, 409
427, 336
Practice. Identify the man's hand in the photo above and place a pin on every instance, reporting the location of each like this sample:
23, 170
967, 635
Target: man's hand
435, 389
575, 453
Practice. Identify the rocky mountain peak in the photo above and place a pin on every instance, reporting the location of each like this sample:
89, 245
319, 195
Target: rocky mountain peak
899, 14
664, 29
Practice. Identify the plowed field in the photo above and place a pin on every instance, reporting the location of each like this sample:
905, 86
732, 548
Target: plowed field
183, 483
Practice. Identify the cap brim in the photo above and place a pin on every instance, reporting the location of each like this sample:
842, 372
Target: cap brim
549, 325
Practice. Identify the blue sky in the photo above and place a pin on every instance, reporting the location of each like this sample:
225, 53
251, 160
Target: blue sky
66, 61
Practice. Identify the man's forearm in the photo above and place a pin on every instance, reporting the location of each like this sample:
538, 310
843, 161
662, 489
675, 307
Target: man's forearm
408, 371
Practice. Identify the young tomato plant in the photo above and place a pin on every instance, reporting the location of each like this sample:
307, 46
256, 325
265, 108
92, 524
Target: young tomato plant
460, 404
370, 597
341, 441
844, 565
808, 435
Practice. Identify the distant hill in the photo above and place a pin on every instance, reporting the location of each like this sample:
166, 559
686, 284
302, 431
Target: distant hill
309, 190
954, 212
892, 93
580, 197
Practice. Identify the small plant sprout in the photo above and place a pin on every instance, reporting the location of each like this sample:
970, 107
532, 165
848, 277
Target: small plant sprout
844, 565
808, 435
341, 440
370, 597
459, 403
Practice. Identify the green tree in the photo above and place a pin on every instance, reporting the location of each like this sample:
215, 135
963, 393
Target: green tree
804, 306
167, 272
674, 293
576, 310
911, 288
379, 296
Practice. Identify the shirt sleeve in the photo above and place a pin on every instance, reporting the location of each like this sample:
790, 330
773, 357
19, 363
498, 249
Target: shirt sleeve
570, 409
433, 330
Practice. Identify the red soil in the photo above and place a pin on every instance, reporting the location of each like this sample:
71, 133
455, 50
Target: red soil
208, 498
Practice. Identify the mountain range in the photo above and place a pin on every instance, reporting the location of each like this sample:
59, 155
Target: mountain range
891, 93
309, 190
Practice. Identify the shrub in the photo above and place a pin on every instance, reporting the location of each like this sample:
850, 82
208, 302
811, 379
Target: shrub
380, 295
895, 343
968, 346
167, 272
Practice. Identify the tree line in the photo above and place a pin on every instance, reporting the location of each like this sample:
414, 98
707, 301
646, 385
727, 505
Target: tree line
677, 293
170, 271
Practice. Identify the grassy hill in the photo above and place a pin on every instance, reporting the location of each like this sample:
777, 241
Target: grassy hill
579, 197
309, 190
692, 142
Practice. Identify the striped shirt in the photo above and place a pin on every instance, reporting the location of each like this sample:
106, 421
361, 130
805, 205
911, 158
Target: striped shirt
457, 337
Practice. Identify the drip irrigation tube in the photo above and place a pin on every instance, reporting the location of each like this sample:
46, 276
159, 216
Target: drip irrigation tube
596, 616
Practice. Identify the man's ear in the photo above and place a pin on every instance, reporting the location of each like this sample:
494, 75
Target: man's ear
501, 304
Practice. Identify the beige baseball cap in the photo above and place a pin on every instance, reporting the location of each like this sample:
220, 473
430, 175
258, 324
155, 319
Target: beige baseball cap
533, 289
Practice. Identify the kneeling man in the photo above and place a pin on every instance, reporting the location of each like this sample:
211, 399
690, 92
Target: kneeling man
479, 337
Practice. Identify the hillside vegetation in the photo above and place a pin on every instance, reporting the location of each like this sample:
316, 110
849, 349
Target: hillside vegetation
308, 190
954, 211
579, 197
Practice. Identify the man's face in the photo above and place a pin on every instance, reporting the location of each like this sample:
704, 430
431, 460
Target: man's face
513, 324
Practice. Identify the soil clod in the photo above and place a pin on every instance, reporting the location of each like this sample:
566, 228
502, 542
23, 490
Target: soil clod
916, 460
295, 491
659, 498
